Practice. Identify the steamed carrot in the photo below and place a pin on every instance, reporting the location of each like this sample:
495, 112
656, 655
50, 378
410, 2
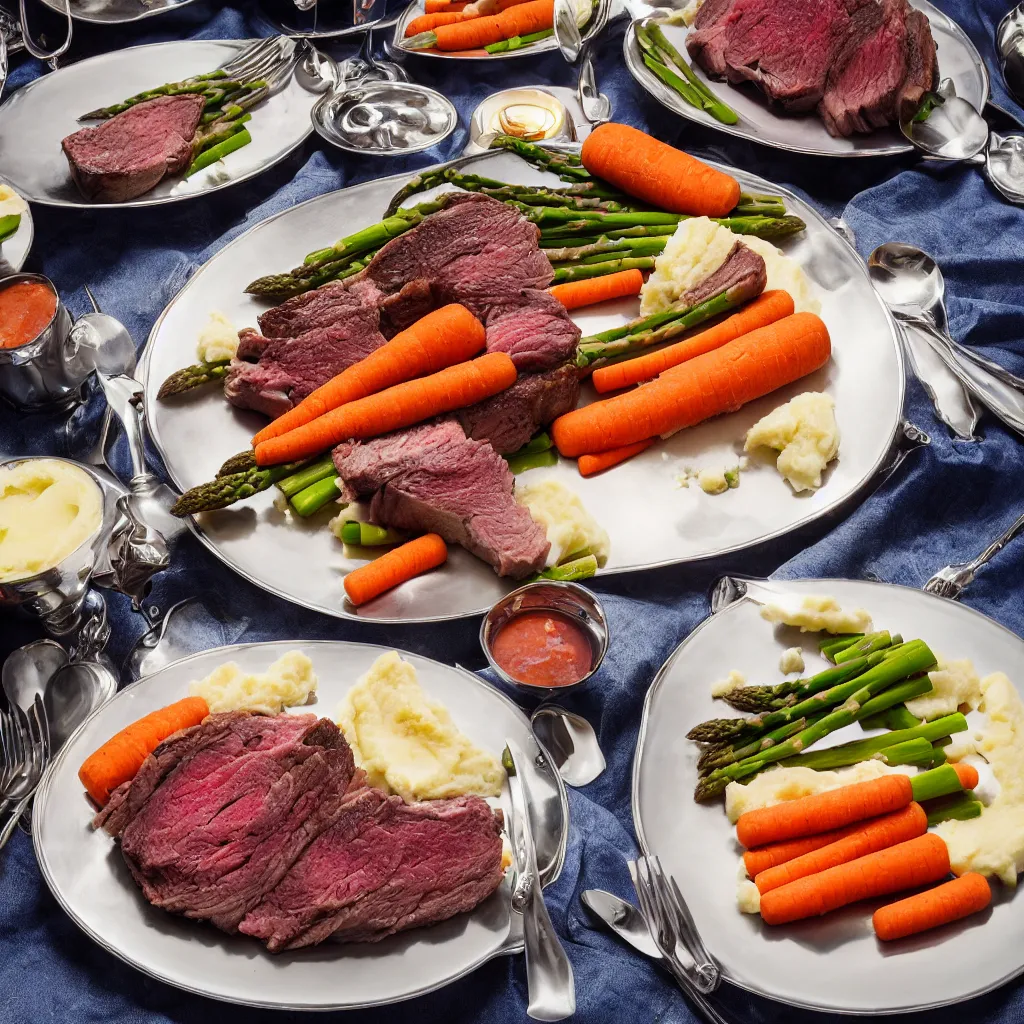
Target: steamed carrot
824, 811
122, 755
447, 336
967, 774
913, 863
764, 857
413, 558
951, 901
428, 22
395, 407
765, 309
720, 381
889, 830
476, 33
589, 465
650, 170
593, 290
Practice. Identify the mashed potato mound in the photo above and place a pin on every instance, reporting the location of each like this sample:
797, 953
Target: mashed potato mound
570, 527
218, 340
289, 682
817, 614
805, 433
953, 683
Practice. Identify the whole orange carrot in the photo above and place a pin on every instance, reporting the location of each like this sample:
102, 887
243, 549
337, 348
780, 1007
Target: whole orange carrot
122, 755
765, 309
427, 22
720, 381
413, 558
475, 34
889, 830
913, 863
764, 857
824, 811
667, 178
591, 291
589, 465
967, 774
951, 901
395, 407
446, 336
441, 6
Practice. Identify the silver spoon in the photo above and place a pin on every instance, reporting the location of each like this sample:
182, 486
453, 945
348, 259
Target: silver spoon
316, 71
73, 693
950, 580
953, 129
908, 280
28, 669
571, 742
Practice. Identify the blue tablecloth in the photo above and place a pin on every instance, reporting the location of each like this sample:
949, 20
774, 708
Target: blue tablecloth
943, 504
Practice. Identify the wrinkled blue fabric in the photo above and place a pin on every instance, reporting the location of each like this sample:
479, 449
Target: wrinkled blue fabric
943, 504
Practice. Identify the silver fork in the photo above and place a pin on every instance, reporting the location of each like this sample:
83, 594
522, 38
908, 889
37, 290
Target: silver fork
951, 580
253, 57
33, 744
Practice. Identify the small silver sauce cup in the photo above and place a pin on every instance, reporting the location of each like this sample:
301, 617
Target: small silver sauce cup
33, 376
575, 602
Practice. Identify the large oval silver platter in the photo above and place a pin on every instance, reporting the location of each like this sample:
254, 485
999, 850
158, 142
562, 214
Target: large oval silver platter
35, 119
650, 519
415, 9
958, 60
833, 964
90, 880
116, 12
15, 250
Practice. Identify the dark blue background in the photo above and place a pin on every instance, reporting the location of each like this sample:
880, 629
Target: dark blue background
944, 504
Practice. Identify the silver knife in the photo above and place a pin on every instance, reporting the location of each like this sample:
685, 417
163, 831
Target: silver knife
622, 918
549, 977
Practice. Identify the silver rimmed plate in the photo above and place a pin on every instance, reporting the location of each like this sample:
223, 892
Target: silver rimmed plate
35, 119
958, 60
116, 12
415, 9
15, 250
833, 964
90, 880
196, 434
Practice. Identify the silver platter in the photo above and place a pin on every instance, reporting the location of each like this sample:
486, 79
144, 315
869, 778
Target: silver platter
385, 118
116, 12
414, 10
651, 520
15, 250
35, 119
958, 60
833, 964
91, 882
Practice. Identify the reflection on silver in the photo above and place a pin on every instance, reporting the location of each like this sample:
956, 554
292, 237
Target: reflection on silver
37, 51
28, 669
116, 12
951, 580
385, 118
1010, 47
953, 129
623, 919
1004, 165
537, 109
572, 743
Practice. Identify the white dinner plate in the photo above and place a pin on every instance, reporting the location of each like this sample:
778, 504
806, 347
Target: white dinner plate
87, 875
958, 59
833, 964
35, 119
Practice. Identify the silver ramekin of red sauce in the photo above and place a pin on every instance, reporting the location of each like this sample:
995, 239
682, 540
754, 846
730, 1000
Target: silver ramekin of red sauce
545, 636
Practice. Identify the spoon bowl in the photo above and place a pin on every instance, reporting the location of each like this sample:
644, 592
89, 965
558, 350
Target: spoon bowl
953, 130
571, 742
27, 671
101, 343
74, 693
909, 280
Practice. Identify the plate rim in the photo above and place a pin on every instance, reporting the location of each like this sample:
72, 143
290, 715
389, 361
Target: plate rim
340, 611
21, 259
84, 17
142, 202
660, 93
510, 946
634, 800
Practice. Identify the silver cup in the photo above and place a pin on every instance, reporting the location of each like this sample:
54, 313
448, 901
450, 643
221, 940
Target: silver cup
58, 595
33, 376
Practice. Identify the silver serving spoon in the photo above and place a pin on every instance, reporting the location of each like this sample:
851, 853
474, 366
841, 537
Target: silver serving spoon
316, 71
73, 693
953, 129
571, 742
28, 669
910, 284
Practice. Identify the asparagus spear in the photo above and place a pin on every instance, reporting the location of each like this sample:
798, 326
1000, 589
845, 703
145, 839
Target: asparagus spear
866, 700
914, 657
913, 752
313, 498
226, 490
832, 645
210, 156
867, 645
521, 462
895, 718
567, 166
581, 273
368, 535
193, 377
719, 757
772, 228
240, 463
518, 42
578, 569
322, 469
955, 807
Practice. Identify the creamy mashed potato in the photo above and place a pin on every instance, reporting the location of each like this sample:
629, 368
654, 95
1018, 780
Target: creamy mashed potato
408, 744
569, 526
218, 340
748, 897
817, 614
48, 509
792, 660
289, 682
731, 682
993, 844
805, 434
953, 683
699, 247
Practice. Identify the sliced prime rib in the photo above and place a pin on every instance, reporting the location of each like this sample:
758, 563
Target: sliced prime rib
383, 867
509, 419
433, 478
708, 40
228, 821
922, 66
133, 152
743, 275
533, 328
